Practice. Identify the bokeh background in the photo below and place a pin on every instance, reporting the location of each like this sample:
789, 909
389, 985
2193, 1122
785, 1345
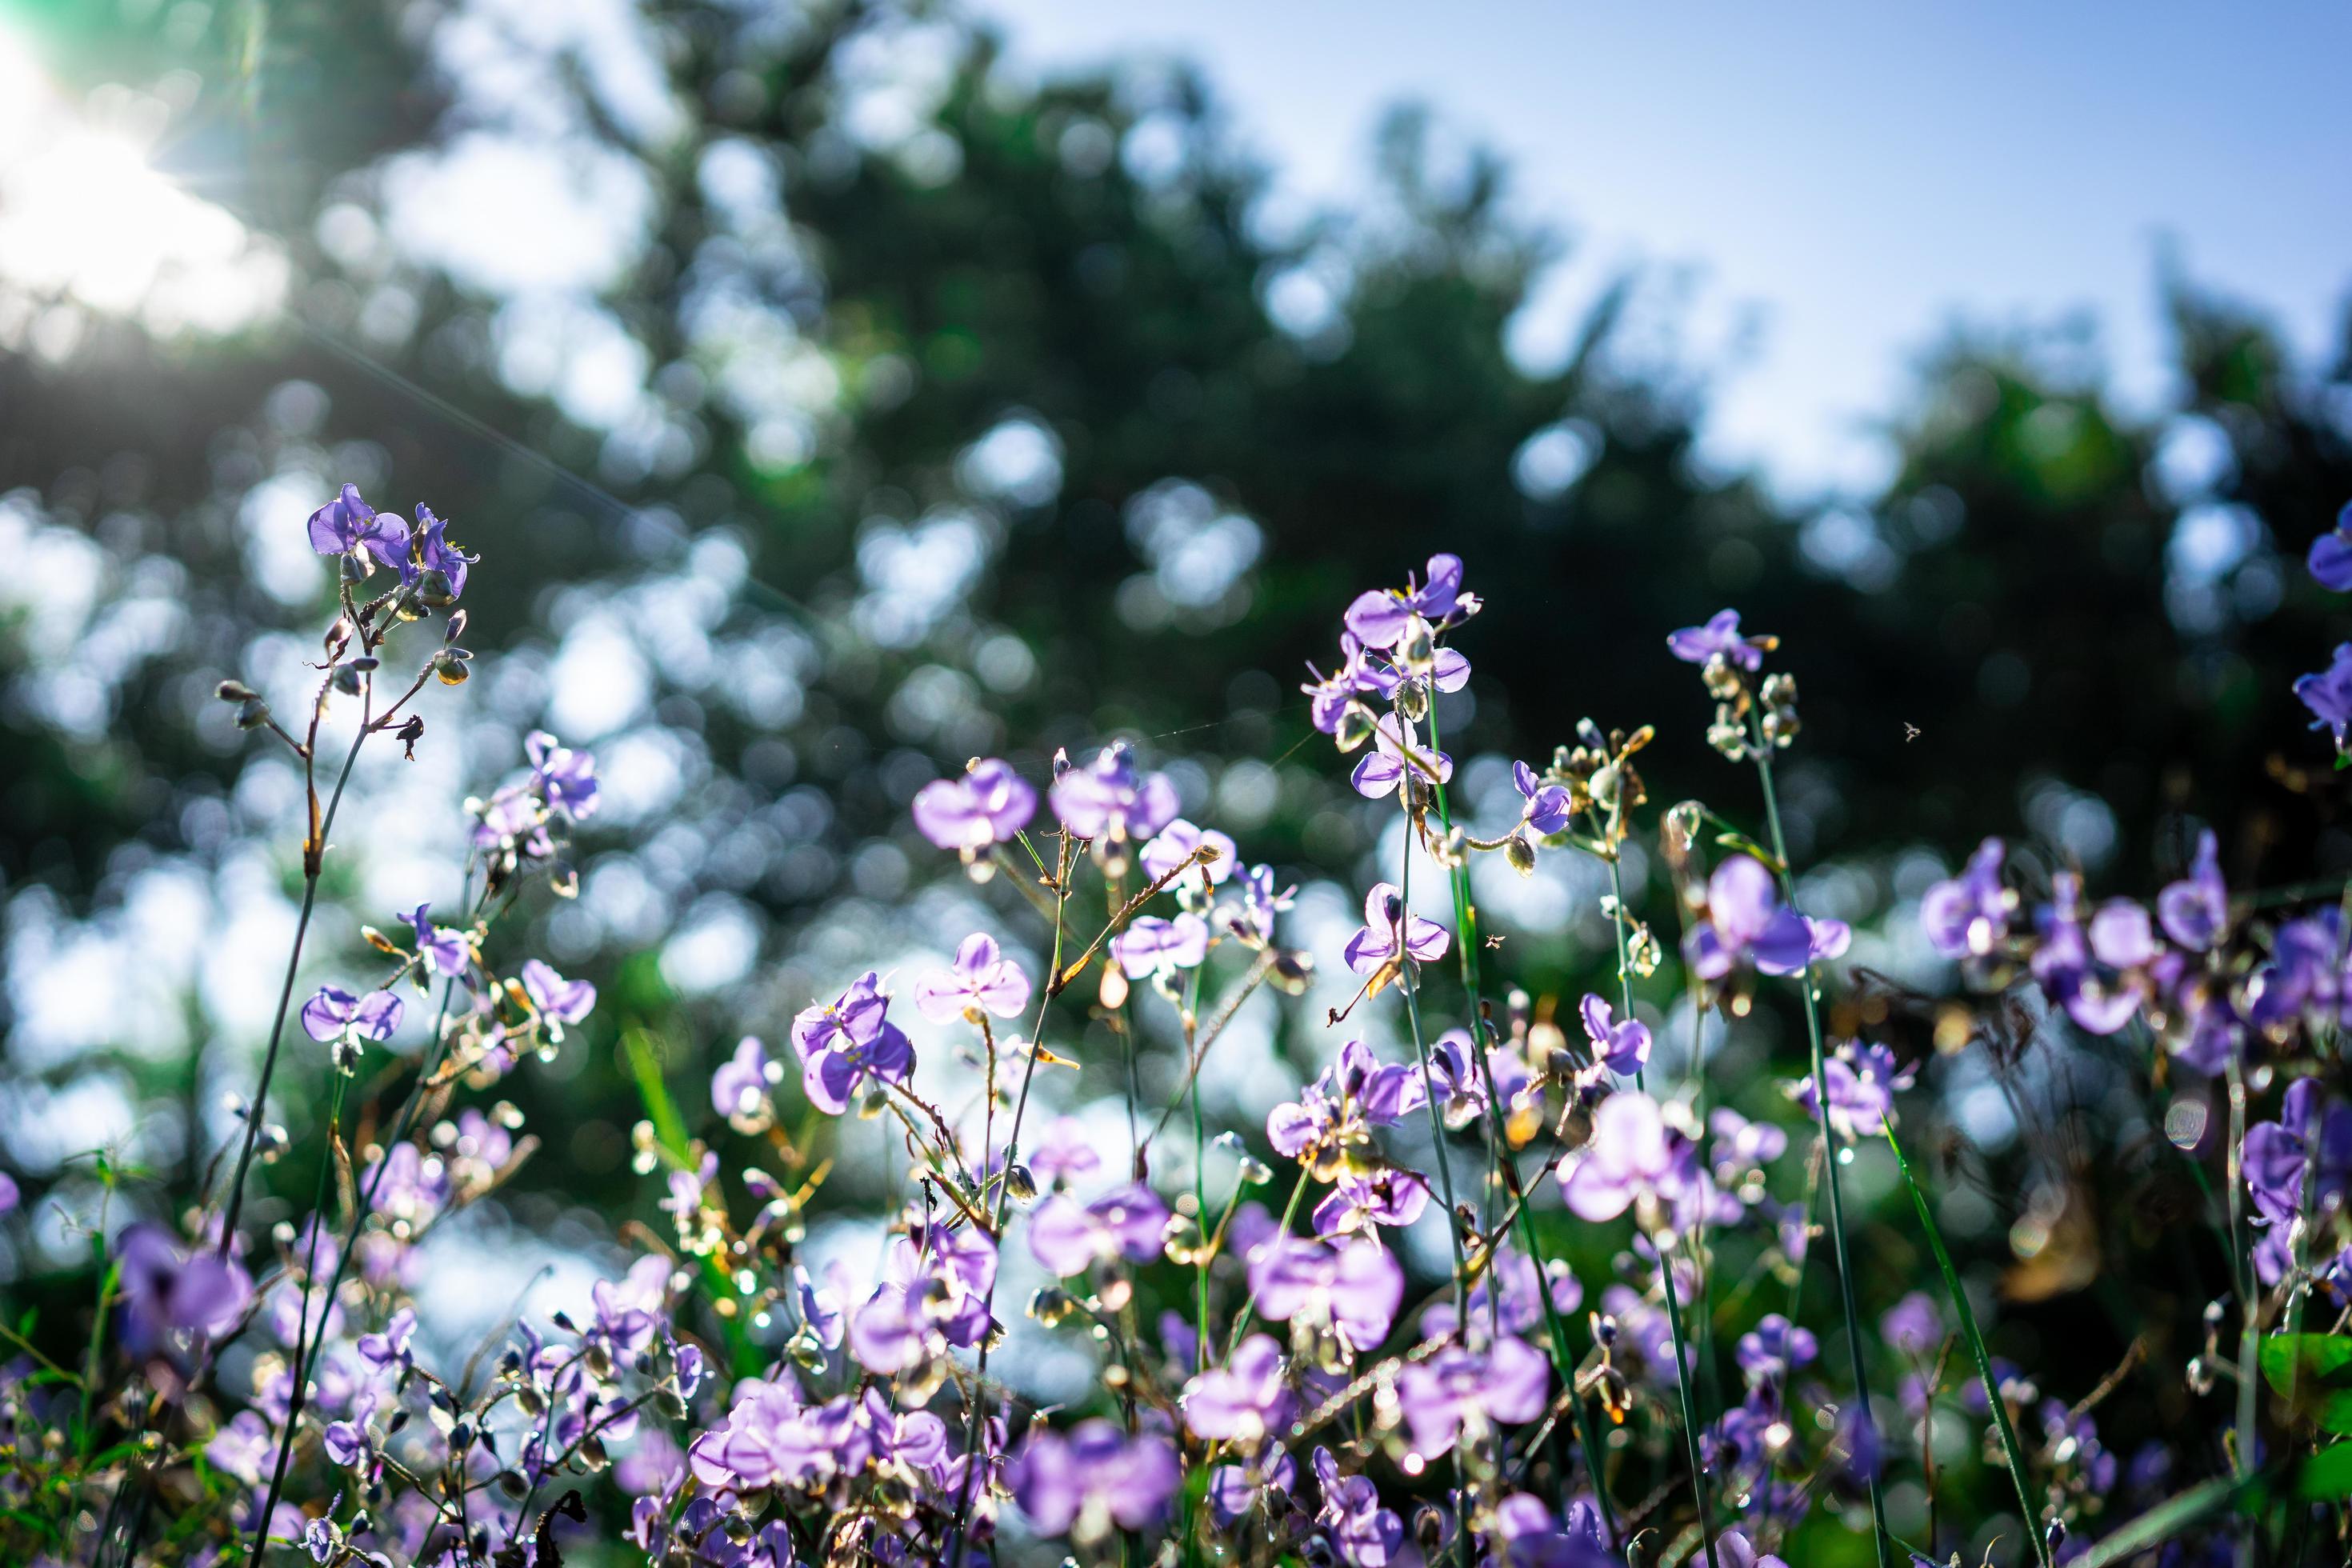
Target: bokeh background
836, 391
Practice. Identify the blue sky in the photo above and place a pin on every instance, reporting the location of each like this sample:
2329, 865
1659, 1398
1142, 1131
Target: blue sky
1852, 177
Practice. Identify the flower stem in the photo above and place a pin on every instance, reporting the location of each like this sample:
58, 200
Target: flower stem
1829, 1158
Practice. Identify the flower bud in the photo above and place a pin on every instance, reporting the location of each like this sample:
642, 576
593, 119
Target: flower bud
235, 692
449, 664
1520, 853
252, 713
346, 679
1355, 727
456, 628
1020, 1184
1417, 649
432, 587
1051, 1306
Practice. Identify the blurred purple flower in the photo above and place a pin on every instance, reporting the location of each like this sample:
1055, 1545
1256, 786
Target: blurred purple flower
1096, 1478
1387, 1196
1176, 843
1721, 636
738, 1088
2331, 554
166, 1290
334, 1014
1746, 921
1063, 1152
1252, 918
1354, 1287
395, 1346
982, 980
1247, 1399
1152, 946
2195, 910
987, 805
1774, 1349
1357, 675
1862, 1081
444, 949
1366, 1534
1633, 1156
1459, 1388
1234, 1489
565, 779
1913, 1325
1968, 916
1069, 1238
1109, 801
2328, 694
1522, 1307
559, 1002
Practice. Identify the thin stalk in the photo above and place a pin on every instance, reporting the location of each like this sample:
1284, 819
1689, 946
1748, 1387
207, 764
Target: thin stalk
1880, 1538
2010, 1447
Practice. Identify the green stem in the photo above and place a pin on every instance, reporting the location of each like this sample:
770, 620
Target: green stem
1830, 1155
1983, 1358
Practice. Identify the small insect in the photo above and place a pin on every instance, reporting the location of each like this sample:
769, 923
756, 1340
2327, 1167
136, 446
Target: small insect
1910, 732
1495, 940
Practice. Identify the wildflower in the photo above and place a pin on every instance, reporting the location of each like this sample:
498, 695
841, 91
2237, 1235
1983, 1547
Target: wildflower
1380, 618
334, 1014
1109, 801
1460, 1390
848, 1042
167, 1291
1358, 1201
1396, 752
1063, 1152
1968, 916
1863, 1079
1775, 1348
1094, 1481
1352, 1288
982, 980
1234, 1489
2080, 970
1173, 849
1154, 947
1247, 1399
1336, 1111
738, 1088
629, 1314
1252, 918
2328, 694
394, 1347
348, 526
1913, 1325
1388, 927
564, 778
1510, 1294
987, 805
560, 1001
1333, 695
934, 1295
1621, 1047
2195, 910
445, 950
1069, 1237
1720, 638
2331, 554
2278, 1154
820, 1310
1455, 1080
242, 1447
1632, 1157
1366, 1534
1746, 921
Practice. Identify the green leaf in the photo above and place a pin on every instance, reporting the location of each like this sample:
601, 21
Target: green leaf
2313, 1373
2166, 1519
2327, 1475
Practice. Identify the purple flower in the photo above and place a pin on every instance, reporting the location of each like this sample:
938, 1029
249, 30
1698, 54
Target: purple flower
1523, 1288
1247, 1399
1387, 1196
1455, 1080
242, 1447
334, 1014
393, 1346
2077, 968
820, 1310
1746, 920
348, 526
988, 804
434, 553
1621, 1047
1234, 1489
1093, 1481
739, 1089
1863, 1079
1358, 675
2195, 910
1633, 1156
168, 1291
1069, 1238
845, 1042
1252, 920
444, 950
1176, 843
321, 1537
1968, 916
1109, 801
1774, 1349
982, 980
770, 1438
564, 778
1063, 1152
1396, 752
10, 1197
1152, 946
2331, 554
1366, 1534
1719, 637
1741, 1145
1379, 618
560, 1001
2278, 1154
630, 1313
1546, 808
2328, 694
1357, 1093
1913, 1325
1388, 925
934, 1295
1459, 1389
1353, 1287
